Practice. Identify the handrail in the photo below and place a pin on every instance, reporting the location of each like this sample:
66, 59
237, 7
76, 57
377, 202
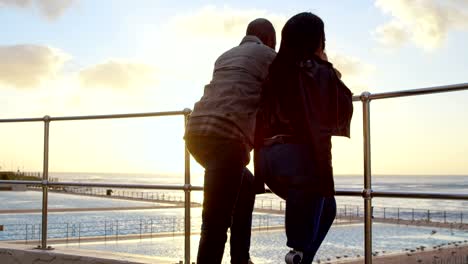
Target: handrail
374, 96
367, 192
181, 187
421, 91
92, 117
414, 92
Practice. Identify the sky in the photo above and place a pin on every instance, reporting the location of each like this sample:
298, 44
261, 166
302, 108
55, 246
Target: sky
85, 57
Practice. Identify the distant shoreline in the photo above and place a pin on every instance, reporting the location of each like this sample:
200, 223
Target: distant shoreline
336, 174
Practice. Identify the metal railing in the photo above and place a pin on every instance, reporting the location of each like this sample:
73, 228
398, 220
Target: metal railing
145, 227
367, 192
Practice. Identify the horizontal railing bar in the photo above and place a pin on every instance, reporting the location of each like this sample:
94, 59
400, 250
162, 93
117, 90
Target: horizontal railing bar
116, 116
416, 195
413, 92
21, 120
403, 93
105, 185
422, 91
36, 183
93, 117
126, 186
375, 194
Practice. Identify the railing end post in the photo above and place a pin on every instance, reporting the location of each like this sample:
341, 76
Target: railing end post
365, 96
187, 111
46, 248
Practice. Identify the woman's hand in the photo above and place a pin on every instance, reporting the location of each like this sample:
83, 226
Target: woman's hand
322, 55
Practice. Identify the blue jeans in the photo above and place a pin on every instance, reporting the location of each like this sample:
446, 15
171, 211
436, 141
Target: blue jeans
228, 198
289, 169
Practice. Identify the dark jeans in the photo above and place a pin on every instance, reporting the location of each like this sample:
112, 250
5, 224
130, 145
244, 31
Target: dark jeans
228, 198
290, 169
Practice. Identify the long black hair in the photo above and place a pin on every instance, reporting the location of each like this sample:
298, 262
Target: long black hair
302, 36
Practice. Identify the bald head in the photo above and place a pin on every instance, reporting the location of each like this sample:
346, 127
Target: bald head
264, 30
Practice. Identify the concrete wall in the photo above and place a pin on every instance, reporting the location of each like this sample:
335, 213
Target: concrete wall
24, 254
16, 188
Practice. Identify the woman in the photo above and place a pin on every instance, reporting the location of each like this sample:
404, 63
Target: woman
303, 104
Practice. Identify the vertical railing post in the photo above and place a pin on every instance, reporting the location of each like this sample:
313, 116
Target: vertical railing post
26, 234
367, 192
187, 189
45, 178
141, 227
116, 230
33, 231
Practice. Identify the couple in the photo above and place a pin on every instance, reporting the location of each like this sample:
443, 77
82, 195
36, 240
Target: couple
286, 106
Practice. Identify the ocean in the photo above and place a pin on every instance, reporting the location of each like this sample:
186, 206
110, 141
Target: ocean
267, 246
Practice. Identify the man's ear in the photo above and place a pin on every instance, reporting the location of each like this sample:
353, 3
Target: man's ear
272, 42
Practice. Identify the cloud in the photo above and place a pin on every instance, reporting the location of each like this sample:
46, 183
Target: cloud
392, 34
424, 22
28, 66
355, 73
51, 9
226, 22
229, 24
119, 75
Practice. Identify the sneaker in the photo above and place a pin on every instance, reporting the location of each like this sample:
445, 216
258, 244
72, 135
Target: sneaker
293, 257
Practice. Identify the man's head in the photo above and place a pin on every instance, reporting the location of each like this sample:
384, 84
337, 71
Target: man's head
264, 30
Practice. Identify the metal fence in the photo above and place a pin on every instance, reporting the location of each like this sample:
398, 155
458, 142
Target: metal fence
346, 210
125, 194
367, 192
451, 260
98, 230
65, 232
390, 213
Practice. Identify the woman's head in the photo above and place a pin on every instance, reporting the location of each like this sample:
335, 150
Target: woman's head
302, 36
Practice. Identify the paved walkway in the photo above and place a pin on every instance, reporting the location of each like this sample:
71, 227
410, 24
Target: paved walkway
441, 255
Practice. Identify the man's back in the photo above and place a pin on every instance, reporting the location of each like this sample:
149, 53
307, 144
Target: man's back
219, 135
234, 91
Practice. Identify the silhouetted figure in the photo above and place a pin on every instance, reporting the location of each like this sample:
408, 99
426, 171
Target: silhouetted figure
220, 135
303, 104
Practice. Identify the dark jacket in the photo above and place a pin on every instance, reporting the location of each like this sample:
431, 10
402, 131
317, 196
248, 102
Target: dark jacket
320, 108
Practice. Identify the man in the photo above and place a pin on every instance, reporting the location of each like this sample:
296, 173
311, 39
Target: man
220, 135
